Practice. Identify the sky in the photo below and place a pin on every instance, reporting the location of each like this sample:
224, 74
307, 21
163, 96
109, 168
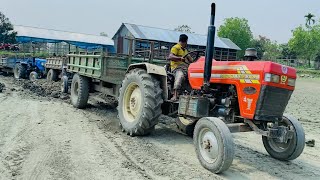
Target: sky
274, 19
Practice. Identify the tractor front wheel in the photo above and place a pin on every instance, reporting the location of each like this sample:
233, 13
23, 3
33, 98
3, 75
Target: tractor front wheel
293, 147
140, 103
79, 91
33, 76
214, 144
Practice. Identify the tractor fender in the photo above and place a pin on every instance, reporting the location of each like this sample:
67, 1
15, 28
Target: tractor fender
158, 71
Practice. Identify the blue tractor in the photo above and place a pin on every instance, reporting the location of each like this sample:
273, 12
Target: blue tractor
29, 68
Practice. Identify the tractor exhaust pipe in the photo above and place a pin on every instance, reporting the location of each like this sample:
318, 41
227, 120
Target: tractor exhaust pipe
210, 49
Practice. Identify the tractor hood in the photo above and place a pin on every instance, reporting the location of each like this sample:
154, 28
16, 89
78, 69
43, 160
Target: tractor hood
235, 72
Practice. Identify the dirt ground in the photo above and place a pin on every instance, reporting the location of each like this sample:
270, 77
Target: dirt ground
43, 137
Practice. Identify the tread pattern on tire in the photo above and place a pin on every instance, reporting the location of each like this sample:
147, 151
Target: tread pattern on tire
81, 99
151, 105
22, 71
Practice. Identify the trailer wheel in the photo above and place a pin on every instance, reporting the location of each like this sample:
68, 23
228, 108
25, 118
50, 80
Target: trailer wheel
139, 103
33, 76
20, 71
64, 84
214, 144
293, 148
52, 75
79, 91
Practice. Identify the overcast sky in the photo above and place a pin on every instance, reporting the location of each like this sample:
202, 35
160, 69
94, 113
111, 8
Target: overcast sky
272, 18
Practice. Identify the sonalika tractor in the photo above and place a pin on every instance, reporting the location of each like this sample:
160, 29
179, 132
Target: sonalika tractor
31, 68
225, 97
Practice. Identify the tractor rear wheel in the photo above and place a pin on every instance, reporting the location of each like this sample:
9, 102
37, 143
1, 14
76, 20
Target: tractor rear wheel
20, 71
214, 144
33, 76
79, 91
52, 75
293, 148
139, 103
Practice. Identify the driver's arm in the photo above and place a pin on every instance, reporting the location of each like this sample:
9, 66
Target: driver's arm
175, 58
189, 58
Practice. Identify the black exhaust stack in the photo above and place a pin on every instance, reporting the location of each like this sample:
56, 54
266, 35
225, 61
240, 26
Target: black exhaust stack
210, 49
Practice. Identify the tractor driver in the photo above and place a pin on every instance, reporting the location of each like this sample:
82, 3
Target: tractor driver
179, 63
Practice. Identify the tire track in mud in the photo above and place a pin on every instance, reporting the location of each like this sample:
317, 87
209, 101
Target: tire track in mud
14, 158
275, 168
150, 160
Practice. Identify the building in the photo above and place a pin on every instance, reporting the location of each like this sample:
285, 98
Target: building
143, 38
59, 42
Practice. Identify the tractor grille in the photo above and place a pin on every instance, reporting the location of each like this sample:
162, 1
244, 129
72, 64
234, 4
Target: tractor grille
271, 103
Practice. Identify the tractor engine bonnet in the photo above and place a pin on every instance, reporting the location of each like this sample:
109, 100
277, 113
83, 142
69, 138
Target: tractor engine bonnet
248, 77
236, 72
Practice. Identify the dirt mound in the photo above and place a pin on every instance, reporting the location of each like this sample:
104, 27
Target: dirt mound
43, 88
2, 87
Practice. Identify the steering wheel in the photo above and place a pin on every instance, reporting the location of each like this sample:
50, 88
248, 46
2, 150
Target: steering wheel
195, 55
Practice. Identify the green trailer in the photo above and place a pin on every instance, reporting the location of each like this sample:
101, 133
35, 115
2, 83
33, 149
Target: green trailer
141, 82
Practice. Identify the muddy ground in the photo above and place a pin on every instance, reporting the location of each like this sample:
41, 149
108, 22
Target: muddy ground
43, 137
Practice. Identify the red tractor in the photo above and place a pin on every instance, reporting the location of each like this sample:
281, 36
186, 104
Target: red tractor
224, 97
221, 97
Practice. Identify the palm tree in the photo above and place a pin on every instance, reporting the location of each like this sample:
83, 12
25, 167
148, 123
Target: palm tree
309, 19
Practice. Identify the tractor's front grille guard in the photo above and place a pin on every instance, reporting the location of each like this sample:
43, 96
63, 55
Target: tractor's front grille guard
272, 103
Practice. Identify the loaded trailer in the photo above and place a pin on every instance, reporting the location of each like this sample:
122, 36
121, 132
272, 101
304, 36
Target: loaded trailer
56, 68
222, 97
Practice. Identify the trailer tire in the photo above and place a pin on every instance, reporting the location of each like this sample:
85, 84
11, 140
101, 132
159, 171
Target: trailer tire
290, 150
140, 103
214, 144
79, 91
20, 71
33, 76
52, 75
64, 84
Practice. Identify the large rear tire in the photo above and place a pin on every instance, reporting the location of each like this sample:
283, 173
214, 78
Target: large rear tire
20, 71
139, 103
214, 144
52, 75
293, 148
79, 91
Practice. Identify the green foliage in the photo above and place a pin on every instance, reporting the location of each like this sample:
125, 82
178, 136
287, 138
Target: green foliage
266, 48
18, 54
104, 34
184, 29
7, 35
238, 31
306, 42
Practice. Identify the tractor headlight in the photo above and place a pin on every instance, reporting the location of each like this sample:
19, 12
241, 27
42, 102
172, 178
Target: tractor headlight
291, 82
43, 63
271, 78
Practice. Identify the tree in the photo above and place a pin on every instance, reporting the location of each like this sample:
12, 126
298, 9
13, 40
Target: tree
184, 29
7, 35
238, 31
306, 42
266, 49
309, 19
104, 34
